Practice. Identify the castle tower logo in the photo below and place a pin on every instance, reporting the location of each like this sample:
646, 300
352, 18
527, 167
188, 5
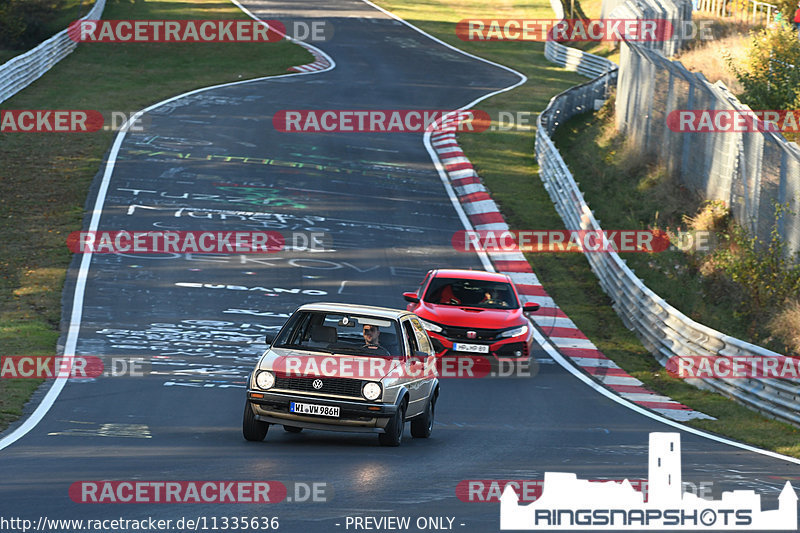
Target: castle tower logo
571, 503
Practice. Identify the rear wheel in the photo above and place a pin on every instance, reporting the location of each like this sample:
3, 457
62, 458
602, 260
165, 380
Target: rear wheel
292, 429
394, 429
422, 426
252, 429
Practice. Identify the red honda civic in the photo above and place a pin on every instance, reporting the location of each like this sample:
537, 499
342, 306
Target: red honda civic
473, 312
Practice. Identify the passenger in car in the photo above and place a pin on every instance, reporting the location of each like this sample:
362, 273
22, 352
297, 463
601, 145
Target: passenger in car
448, 297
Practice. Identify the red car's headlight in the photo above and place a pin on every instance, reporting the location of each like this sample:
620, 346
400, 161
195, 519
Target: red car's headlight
516, 332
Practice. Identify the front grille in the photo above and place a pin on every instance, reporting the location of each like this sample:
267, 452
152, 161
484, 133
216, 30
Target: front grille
336, 386
452, 332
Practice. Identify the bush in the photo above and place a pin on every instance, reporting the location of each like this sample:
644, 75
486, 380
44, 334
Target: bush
23, 22
769, 76
786, 326
787, 8
765, 273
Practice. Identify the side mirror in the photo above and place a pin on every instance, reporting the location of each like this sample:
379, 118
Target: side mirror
530, 307
270, 338
411, 297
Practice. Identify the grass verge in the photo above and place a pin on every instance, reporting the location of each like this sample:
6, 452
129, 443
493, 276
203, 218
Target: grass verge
505, 161
44, 177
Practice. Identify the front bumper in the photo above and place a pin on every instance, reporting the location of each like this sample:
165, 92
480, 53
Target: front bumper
506, 349
354, 416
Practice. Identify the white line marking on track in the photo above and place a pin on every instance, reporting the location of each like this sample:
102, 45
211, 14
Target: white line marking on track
487, 264
80, 285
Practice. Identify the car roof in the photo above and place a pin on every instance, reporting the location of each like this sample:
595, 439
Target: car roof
333, 307
481, 275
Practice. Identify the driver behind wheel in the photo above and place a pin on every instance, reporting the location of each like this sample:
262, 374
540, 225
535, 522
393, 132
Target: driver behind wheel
493, 297
372, 336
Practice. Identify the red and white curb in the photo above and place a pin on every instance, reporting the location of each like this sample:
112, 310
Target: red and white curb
320, 62
483, 214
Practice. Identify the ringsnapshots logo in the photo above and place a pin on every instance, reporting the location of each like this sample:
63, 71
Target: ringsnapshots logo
567, 502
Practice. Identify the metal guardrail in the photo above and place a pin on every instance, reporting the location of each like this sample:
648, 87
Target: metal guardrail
22, 70
676, 12
663, 330
576, 60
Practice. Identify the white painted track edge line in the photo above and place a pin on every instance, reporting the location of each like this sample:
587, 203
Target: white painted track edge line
539, 337
301, 43
80, 284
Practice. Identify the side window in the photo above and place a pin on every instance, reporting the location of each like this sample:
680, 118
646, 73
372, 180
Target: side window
424, 283
410, 337
422, 337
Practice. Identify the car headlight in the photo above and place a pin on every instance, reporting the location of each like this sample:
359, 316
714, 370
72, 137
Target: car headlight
265, 380
430, 326
371, 391
516, 332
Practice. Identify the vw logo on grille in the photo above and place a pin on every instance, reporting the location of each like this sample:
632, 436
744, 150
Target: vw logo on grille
317, 384
472, 334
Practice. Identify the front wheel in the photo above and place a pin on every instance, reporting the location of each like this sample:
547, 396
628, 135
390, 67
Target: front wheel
252, 429
394, 429
422, 426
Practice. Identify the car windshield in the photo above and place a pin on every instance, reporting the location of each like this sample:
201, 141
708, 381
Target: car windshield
471, 293
340, 333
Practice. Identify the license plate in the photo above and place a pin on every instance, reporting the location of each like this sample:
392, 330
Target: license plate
313, 409
474, 348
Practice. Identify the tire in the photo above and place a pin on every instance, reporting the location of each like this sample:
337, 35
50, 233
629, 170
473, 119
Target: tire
292, 429
394, 429
422, 426
252, 429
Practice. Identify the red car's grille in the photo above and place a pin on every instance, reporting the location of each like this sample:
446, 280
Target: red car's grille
452, 332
